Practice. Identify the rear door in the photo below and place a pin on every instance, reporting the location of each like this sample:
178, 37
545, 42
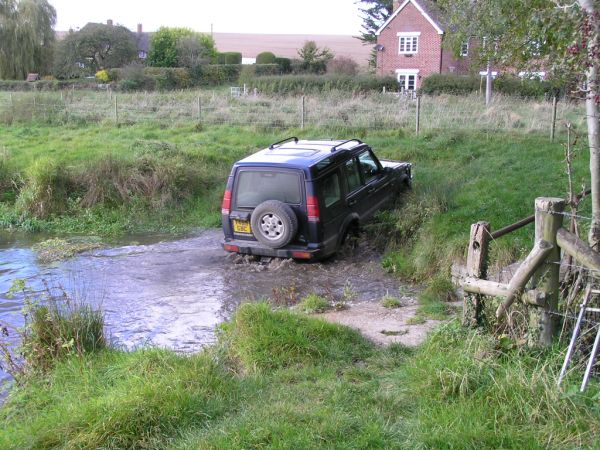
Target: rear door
333, 207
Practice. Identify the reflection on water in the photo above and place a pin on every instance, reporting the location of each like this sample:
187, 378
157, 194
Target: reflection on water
171, 293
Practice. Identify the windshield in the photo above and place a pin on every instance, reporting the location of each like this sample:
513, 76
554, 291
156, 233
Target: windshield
255, 186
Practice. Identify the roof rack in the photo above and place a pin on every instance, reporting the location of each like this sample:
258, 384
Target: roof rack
277, 144
335, 147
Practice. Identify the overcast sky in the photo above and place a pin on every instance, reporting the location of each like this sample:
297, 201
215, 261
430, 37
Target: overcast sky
231, 16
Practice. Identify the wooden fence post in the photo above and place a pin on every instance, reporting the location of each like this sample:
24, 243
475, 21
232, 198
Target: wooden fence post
553, 124
418, 121
116, 111
12, 108
477, 259
199, 110
302, 113
543, 320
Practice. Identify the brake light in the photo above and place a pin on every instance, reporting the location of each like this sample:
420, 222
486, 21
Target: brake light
231, 248
226, 205
312, 207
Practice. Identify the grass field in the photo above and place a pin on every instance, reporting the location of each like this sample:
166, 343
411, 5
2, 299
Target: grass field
282, 380
100, 179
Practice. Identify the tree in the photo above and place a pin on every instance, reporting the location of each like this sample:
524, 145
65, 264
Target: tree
26, 37
195, 50
95, 47
561, 36
375, 13
314, 59
173, 47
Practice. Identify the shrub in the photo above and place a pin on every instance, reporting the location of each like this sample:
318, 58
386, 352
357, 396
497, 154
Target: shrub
313, 303
525, 88
285, 64
133, 77
216, 74
44, 191
265, 58
102, 76
342, 65
390, 302
56, 325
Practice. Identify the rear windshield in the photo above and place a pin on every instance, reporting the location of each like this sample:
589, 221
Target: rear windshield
254, 187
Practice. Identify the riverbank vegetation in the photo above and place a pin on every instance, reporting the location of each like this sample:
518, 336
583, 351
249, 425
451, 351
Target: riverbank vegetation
279, 378
98, 179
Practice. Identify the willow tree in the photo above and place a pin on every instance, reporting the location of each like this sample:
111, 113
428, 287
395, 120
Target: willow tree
558, 36
26, 37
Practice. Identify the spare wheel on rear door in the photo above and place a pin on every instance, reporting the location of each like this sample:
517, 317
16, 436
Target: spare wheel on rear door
274, 223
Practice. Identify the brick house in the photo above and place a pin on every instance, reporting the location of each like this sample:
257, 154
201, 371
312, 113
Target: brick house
409, 45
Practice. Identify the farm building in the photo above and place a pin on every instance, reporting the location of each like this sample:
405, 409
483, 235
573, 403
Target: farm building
409, 45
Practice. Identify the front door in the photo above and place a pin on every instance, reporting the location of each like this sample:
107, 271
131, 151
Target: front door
407, 82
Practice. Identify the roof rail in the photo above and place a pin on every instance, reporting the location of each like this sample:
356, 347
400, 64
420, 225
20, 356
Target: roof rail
277, 144
335, 147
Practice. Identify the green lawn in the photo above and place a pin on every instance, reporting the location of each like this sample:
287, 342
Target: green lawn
98, 179
282, 380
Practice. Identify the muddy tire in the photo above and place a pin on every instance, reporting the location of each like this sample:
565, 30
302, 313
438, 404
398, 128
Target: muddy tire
274, 223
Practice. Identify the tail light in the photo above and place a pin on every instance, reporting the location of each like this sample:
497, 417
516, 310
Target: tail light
226, 205
231, 248
312, 206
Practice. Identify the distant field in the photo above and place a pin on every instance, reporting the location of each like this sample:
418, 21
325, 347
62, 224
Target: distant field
287, 45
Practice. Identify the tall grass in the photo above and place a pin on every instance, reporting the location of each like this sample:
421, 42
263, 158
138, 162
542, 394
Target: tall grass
332, 108
56, 325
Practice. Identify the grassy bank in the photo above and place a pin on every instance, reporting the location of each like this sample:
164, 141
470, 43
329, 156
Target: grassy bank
103, 180
278, 379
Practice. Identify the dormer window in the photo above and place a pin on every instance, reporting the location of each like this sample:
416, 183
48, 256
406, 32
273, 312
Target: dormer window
408, 43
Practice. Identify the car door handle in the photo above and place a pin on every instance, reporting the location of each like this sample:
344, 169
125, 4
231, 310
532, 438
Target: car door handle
351, 202
371, 190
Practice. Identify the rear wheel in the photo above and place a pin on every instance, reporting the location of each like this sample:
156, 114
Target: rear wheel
274, 223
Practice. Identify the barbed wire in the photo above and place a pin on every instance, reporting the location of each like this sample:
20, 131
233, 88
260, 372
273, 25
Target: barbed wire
567, 214
575, 318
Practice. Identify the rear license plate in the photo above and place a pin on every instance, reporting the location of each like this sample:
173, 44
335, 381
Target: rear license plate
241, 226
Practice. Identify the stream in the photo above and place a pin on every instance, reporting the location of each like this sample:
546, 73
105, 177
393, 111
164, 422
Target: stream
165, 292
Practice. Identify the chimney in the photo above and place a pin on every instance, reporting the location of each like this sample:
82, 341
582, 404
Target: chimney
395, 5
109, 22
139, 28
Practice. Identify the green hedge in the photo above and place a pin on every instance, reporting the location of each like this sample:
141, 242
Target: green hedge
505, 84
46, 85
445, 83
310, 84
166, 78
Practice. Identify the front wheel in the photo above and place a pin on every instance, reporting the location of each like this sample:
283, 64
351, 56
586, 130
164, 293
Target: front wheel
274, 223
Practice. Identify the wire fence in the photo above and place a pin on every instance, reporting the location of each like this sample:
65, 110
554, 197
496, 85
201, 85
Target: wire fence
334, 109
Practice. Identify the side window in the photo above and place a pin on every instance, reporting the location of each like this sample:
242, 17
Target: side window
368, 166
352, 176
331, 190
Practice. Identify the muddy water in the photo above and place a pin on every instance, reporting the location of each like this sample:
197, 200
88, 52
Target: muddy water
172, 293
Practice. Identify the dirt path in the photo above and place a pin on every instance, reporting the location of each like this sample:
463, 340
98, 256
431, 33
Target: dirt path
384, 326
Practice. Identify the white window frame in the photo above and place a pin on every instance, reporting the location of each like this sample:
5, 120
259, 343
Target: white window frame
407, 73
464, 49
411, 40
